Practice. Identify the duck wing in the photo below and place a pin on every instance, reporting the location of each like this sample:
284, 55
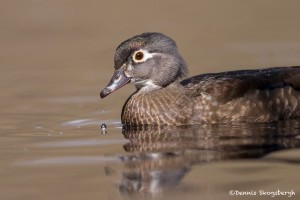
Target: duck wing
226, 86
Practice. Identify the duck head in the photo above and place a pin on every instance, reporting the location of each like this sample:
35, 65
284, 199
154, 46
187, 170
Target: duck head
149, 61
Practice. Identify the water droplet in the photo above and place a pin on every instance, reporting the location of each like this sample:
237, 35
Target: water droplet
103, 129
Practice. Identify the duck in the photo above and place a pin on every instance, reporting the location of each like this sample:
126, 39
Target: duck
164, 95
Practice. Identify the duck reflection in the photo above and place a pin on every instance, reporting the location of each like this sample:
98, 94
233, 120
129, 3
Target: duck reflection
159, 157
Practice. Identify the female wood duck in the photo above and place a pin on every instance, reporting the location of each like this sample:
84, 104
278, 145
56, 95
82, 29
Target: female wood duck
152, 62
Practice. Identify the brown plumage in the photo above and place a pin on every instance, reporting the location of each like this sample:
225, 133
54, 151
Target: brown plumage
152, 62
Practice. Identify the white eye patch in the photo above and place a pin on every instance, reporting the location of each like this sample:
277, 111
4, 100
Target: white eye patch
141, 56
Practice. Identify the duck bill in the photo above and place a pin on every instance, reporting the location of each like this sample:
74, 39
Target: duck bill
118, 80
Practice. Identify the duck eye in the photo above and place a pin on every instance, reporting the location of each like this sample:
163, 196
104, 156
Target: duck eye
138, 56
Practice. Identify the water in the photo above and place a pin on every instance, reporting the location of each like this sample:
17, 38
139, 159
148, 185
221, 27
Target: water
56, 56
76, 161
